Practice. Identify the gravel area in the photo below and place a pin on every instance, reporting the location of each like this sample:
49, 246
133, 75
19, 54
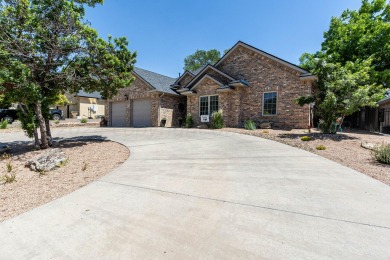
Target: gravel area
344, 148
88, 160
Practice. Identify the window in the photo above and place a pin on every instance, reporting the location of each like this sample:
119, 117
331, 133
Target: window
269, 103
208, 105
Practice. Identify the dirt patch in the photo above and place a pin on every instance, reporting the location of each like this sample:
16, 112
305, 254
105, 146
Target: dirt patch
344, 148
88, 160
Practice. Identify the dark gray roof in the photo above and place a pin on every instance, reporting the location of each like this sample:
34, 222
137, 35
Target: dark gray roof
95, 94
386, 99
160, 82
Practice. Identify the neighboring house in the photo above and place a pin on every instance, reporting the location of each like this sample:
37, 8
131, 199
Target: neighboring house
246, 83
384, 115
84, 105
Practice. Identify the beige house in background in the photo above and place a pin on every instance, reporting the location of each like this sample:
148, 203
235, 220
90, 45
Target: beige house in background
84, 105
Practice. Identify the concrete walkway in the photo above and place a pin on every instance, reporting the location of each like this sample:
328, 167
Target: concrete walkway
195, 194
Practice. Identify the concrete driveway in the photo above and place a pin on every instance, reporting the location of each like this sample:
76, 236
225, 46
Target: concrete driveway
196, 194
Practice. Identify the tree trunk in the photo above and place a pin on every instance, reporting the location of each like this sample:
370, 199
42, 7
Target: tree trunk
36, 138
48, 132
42, 125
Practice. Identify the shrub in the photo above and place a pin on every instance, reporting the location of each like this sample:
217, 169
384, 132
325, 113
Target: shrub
306, 138
382, 154
321, 147
250, 125
83, 120
189, 121
56, 122
265, 132
3, 124
217, 119
324, 128
8, 178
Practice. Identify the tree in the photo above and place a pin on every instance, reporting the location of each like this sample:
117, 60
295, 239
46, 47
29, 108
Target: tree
353, 65
47, 49
200, 59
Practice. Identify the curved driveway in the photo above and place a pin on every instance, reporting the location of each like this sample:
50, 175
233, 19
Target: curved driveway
195, 194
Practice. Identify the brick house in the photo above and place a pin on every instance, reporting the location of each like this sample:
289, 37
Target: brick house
246, 83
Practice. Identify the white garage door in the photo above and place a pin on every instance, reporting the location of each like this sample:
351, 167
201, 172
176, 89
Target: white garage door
118, 114
141, 113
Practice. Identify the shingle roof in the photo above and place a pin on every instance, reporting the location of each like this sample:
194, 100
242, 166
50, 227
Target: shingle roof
195, 72
385, 100
159, 82
94, 94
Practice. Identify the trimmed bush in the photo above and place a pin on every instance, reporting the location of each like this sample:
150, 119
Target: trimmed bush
189, 121
217, 120
321, 147
250, 125
382, 154
3, 124
306, 138
56, 122
83, 121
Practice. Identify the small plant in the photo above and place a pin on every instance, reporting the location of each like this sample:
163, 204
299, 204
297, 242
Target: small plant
56, 122
8, 178
382, 154
63, 163
3, 124
265, 132
84, 167
83, 120
306, 138
321, 147
9, 167
5, 156
42, 172
189, 121
217, 119
250, 125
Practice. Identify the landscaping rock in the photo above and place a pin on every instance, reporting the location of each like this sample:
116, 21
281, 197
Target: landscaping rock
47, 161
265, 125
369, 146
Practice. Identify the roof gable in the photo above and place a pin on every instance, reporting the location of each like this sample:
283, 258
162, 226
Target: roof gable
263, 53
190, 84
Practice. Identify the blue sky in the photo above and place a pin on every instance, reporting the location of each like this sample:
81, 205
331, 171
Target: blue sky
164, 32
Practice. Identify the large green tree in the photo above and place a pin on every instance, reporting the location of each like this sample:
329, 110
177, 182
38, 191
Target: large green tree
201, 58
353, 65
47, 48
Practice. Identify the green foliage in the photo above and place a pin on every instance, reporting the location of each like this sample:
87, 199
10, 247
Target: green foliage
8, 178
217, 119
201, 58
306, 138
47, 48
250, 125
84, 121
189, 121
321, 147
353, 65
3, 124
56, 122
382, 154
28, 121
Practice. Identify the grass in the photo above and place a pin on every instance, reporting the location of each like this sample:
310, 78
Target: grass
9, 167
84, 121
8, 178
63, 163
306, 138
3, 124
382, 154
250, 125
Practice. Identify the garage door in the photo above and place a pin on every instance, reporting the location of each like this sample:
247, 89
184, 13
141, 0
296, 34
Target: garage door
141, 112
118, 114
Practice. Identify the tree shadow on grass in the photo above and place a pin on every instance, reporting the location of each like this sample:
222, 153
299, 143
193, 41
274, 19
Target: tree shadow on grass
18, 148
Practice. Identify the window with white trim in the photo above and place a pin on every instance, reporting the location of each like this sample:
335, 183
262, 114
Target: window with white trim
208, 105
269, 103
